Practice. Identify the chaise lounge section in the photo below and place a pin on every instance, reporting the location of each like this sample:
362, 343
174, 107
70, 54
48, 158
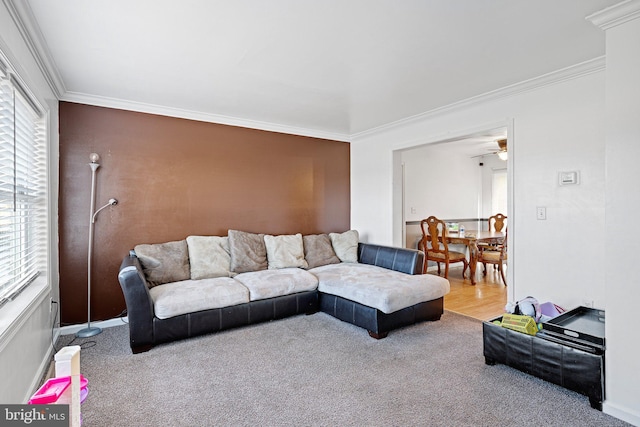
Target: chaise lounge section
371, 294
379, 289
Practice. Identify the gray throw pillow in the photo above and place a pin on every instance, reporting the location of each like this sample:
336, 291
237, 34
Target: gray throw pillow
318, 250
248, 252
209, 257
164, 262
346, 245
285, 251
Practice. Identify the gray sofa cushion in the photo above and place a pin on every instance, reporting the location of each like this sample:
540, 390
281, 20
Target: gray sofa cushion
318, 250
164, 262
189, 296
274, 283
248, 252
378, 287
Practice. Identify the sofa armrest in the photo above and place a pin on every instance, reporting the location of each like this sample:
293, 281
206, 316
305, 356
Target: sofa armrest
139, 303
404, 260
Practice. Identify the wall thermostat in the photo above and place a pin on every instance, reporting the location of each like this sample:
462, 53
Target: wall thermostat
569, 178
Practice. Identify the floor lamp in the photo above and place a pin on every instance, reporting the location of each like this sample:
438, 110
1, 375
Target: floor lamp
90, 331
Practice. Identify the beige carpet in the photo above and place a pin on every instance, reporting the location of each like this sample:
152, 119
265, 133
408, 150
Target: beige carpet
318, 371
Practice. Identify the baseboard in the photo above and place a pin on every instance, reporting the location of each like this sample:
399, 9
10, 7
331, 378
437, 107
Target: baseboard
72, 329
622, 413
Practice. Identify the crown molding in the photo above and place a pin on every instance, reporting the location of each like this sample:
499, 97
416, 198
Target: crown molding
569, 73
122, 104
22, 15
615, 15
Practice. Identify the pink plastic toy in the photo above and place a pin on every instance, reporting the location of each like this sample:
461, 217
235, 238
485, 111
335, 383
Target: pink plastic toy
53, 388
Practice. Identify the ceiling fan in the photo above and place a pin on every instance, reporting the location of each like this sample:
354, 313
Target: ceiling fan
501, 152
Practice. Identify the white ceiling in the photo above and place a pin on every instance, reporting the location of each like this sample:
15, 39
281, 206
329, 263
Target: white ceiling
320, 67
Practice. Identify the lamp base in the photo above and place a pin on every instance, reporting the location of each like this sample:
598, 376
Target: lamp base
88, 332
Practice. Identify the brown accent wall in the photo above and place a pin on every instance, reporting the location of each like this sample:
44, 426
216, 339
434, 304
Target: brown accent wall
174, 178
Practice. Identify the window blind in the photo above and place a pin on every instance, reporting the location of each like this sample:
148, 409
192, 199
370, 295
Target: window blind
499, 192
23, 189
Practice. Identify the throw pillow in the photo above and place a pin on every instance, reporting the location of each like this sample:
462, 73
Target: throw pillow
318, 250
346, 245
164, 262
285, 251
209, 257
248, 252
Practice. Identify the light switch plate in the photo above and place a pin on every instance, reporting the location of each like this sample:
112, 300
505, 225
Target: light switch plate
569, 178
541, 213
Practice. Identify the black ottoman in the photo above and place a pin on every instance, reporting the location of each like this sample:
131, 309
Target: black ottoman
560, 363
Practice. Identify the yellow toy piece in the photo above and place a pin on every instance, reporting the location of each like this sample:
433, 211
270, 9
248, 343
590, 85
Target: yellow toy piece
516, 322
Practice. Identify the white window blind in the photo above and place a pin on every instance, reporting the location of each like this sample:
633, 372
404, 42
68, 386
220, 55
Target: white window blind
499, 195
23, 185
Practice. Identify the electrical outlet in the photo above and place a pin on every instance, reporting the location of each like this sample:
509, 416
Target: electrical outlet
541, 213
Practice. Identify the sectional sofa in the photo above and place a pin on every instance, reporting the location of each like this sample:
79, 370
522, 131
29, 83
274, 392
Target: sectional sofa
205, 284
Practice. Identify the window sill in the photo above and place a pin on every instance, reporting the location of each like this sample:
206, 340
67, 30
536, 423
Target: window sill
15, 313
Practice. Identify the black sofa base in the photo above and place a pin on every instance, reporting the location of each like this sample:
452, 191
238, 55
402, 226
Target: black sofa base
215, 320
377, 323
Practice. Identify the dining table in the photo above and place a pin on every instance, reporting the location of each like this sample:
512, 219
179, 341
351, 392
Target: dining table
471, 238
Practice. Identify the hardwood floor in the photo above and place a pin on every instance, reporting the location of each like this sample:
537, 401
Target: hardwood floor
483, 301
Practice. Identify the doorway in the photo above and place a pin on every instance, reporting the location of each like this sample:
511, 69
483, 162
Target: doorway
458, 179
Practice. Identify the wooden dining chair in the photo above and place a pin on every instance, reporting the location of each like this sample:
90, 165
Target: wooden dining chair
436, 248
497, 222
496, 255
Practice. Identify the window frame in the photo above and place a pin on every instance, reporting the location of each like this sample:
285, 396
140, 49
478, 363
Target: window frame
29, 226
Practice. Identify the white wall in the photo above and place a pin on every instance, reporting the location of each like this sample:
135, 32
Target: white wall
440, 182
622, 208
25, 344
555, 128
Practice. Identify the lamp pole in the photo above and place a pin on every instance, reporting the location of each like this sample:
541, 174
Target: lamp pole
90, 331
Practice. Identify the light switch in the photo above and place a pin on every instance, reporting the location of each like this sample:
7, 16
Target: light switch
541, 212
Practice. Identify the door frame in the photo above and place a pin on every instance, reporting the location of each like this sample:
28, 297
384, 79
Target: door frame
398, 175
